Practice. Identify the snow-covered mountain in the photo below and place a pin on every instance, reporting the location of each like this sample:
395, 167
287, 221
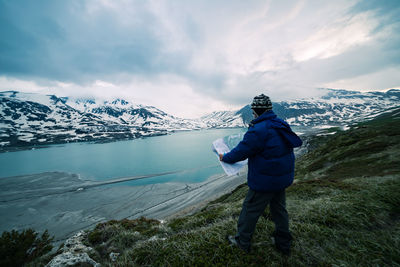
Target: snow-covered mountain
125, 113
335, 107
28, 119
32, 119
222, 119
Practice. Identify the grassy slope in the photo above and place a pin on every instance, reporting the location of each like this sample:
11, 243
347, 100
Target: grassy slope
344, 209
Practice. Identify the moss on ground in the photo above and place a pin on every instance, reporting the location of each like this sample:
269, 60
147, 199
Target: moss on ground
344, 211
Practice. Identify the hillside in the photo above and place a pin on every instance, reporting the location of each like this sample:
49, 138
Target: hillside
344, 209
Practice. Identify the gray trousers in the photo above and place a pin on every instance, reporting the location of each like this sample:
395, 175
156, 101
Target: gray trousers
253, 207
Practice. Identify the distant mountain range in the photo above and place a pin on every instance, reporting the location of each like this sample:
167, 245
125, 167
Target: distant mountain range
28, 119
335, 107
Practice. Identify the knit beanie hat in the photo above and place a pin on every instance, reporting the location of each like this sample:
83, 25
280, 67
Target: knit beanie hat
261, 102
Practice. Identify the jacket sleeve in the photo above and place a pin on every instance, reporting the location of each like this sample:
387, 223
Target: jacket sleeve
249, 146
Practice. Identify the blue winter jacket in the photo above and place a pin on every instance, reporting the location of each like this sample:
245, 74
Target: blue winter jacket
268, 144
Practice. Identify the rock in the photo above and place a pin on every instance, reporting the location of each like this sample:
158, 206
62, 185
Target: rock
71, 259
74, 252
113, 256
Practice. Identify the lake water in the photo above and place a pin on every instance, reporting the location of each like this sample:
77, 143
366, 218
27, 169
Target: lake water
191, 151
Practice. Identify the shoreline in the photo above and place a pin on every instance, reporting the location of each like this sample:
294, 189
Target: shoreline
34, 146
44, 201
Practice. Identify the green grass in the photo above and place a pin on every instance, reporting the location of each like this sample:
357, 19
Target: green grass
371, 146
344, 211
21, 248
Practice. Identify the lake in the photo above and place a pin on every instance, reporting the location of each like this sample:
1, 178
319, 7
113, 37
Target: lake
190, 151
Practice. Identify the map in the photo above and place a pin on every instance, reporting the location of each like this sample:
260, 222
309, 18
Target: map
224, 145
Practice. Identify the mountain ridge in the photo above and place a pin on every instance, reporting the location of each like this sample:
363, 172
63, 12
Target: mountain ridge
29, 119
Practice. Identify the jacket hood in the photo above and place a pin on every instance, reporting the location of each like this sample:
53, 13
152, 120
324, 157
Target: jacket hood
265, 116
281, 126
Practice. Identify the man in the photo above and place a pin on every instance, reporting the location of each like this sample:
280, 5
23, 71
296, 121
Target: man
268, 144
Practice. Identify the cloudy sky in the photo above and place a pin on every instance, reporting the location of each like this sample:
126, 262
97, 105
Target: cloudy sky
189, 58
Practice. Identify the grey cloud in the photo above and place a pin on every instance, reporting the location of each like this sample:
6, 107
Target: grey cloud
58, 40
355, 62
387, 8
301, 78
387, 12
68, 41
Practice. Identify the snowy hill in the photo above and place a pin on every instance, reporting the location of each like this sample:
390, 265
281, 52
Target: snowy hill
32, 119
336, 107
222, 119
125, 113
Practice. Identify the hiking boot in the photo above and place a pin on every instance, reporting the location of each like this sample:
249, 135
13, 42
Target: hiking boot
284, 251
236, 243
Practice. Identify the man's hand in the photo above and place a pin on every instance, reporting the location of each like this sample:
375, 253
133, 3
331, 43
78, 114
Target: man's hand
221, 156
